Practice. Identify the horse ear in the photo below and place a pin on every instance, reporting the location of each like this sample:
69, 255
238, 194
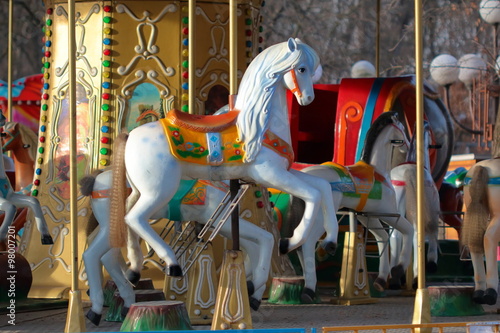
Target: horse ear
292, 44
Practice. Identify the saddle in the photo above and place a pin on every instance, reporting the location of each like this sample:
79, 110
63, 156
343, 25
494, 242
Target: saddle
213, 140
358, 180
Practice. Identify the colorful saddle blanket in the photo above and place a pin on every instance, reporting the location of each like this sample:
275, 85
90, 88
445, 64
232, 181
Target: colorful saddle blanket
358, 181
213, 140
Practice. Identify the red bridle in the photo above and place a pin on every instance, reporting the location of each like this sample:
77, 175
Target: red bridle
296, 87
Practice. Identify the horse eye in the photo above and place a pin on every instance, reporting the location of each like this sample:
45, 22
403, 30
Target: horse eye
301, 70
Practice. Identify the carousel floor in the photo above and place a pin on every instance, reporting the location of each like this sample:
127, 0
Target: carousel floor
393, 308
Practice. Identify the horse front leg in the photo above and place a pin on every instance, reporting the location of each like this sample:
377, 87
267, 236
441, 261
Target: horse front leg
329, 209
33, 204
382, 237
289, 183
9, 211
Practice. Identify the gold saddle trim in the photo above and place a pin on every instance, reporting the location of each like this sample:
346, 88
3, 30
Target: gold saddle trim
202, 123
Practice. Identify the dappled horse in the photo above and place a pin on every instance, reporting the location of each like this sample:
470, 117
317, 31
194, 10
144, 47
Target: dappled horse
404, 179
10, 201
481, 227
363, 187
252, 143
257, 242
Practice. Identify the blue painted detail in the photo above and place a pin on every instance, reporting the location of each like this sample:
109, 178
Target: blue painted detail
368, 115
4, 186
492, 181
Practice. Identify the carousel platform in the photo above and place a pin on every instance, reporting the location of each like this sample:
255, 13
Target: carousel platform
394, 308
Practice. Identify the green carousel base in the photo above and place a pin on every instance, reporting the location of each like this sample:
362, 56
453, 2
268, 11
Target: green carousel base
453, 301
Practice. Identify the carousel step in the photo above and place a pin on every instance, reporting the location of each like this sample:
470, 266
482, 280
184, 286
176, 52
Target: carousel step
110, 289
156, 316
450, 301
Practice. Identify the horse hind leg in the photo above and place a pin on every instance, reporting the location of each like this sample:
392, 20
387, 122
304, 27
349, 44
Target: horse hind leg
92, 260
111, 261
138, 219
491, 238
135, 256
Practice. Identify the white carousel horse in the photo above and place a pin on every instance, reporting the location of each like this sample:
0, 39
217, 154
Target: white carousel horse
363, 187
256, 148
404, 180
481, 227
10, 200
257, 243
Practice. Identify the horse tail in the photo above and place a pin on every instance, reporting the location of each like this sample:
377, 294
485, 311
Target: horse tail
118, 194
477, 213
87, 183
86, 187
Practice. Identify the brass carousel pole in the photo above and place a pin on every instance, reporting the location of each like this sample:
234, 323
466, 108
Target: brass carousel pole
377, 42
191, 56
232, 306
421, 312
75, 321
9, 62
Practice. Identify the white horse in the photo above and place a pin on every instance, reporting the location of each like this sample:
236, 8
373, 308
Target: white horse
404, 180
257, 243
257, 149
10, 200
372, 193
481, 227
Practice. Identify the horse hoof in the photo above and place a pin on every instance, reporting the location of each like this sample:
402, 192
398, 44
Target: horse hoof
47, 240
284, 242
174, 270
254, 303
88, 292
124, 312
431, 267
415, 284
133, 276
329, 247
93, 317
308, 296
250, 288
490, 296
379, 284
397, 272
477, 296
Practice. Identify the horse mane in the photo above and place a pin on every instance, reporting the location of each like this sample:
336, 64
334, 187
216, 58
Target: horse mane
411, 156
378, 125
28, 137
258, 86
